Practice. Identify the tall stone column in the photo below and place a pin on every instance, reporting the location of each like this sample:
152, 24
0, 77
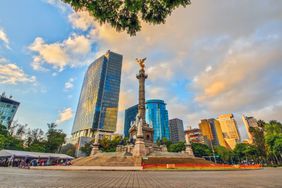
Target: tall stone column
141, 105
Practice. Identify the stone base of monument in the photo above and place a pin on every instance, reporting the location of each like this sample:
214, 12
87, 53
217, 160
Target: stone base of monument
108, 159
127, 159
139, 149
95, 149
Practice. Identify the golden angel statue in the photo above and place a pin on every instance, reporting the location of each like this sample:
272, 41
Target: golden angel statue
141, 62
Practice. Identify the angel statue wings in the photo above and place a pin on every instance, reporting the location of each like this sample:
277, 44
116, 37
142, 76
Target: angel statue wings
141, 62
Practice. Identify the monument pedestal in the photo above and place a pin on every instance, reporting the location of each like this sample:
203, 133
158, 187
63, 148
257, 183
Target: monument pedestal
188, 150
95, 149
139, 148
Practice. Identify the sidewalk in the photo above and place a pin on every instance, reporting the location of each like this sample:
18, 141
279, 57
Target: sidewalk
88, 168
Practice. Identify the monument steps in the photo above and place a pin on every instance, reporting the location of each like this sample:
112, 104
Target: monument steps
105, 160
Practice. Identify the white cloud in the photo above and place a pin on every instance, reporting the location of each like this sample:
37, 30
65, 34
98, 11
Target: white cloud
208, 68
65, 115
81, 20
58, 3
71, 52
69, 84
10, 73
4, 38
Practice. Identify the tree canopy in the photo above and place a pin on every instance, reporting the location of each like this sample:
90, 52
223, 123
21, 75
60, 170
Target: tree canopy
201, 150
19, 137
126, 15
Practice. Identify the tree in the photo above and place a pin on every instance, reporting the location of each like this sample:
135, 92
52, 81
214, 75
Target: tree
68, 149
17, 130
9, 142
3, 141
3, 130
201, 150
224, 154
177, 147
273, 141
34, 136
246, 151
108, 145
86, 149
126, 15
55, 138
259, 139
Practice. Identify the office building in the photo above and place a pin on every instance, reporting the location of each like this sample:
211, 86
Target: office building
212, 133
229, 129
195, 135
8, 109
176, 130
157, 117
250, 122
98, 103
129, 116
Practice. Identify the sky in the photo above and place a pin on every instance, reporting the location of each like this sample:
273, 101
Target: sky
210, 58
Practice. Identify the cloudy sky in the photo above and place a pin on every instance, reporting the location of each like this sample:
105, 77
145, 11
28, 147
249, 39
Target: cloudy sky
210, 58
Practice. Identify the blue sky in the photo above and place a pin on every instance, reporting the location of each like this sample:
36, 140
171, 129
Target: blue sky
200, 62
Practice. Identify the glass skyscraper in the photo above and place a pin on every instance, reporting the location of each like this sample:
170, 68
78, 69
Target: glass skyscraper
98, 103
129, 116
8, 109
157, 116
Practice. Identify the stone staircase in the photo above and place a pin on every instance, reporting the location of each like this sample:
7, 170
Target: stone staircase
107, 159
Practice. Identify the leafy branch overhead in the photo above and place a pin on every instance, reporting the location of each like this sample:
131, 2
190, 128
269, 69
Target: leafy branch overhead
126, 15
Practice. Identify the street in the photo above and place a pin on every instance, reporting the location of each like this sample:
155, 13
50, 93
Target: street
13, 177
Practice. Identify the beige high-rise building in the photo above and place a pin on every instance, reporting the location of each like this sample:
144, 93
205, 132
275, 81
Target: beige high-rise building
249, 122
211, 132
229, 129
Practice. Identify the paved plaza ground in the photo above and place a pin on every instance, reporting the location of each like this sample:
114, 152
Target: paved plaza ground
13, 177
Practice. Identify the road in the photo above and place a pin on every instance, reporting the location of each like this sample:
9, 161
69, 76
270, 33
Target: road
13, 177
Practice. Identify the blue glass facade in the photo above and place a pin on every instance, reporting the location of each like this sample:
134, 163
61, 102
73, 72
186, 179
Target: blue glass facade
129, 116
8, 109
157, 116
98, 103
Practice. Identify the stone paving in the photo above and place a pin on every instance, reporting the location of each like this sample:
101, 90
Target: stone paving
13, 177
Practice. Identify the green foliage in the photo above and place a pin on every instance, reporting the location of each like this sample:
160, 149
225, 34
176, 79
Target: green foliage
68, 149
86, 149
13, 143
259, 139
201, 150
177, 147
3, 141
17, 137
224, 154
3, 130
37, 147
55, 138
127, 15
107, 145
273, 140
9, 142
243, 151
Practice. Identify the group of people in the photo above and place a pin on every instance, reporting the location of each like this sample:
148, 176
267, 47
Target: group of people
27, 162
